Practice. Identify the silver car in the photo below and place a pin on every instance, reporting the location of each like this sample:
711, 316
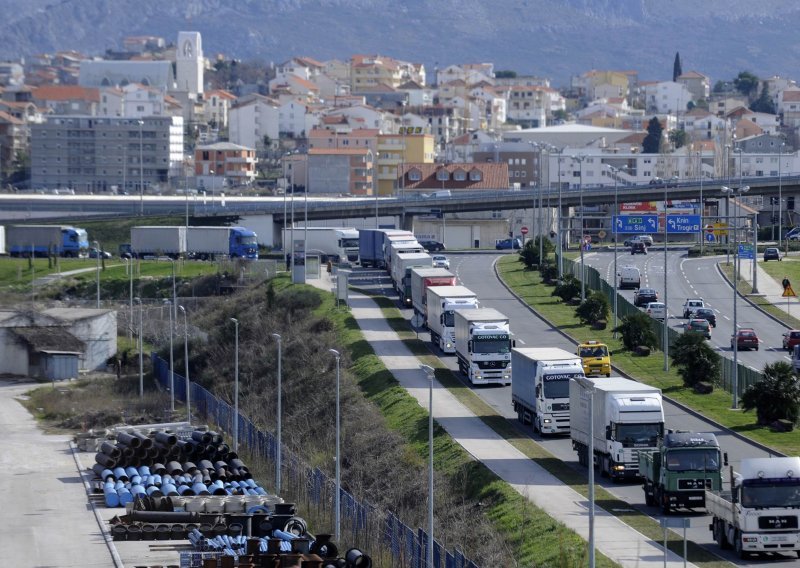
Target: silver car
440, 261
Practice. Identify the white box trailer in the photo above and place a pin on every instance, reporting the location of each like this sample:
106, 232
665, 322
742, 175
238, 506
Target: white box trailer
441, 304
483, 346
421, 280
401, 273
331, 243
628, 418
158, 241
540, 386
2, 240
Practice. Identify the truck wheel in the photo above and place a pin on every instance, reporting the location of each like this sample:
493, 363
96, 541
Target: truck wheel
648, 499
737, 546
521, 415
535, 424
719, 535
664, 504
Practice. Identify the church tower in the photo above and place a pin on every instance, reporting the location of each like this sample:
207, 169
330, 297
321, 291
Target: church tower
189, 59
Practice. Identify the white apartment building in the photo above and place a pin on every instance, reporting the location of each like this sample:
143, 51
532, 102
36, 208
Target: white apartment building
252, 118
666, 97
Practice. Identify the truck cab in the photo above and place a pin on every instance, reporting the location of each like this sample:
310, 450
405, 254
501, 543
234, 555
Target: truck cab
243, 243
596, 358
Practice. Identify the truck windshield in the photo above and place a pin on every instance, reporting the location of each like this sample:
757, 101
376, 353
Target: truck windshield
494, 343
638, 434
769, 494
705, 459
249, 240
558, 388
349, 243
449, 318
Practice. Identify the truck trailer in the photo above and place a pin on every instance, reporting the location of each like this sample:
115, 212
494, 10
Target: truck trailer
540, 386
441, 305
44, 240
483, 346
370, 245
401, 273
157, 241
206, 243
628, 418
761, 512
337, 244
421, 280
399, 244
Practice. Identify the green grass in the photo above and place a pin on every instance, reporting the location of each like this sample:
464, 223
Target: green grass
716, 406
746, 289
789, 267
17, 272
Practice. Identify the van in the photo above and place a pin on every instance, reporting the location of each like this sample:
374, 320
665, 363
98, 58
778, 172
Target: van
629, 277
441, 193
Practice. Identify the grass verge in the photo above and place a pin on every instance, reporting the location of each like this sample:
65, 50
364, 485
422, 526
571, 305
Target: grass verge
746, 290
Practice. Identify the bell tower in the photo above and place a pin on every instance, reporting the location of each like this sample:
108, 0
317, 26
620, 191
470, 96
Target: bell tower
189, 59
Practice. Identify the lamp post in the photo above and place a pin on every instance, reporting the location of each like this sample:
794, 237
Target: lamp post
560, 225
171, 362
666, 304
780, 188
337, 499
186, 365
370, 157
213, 185
236, 386
430, 373
140, 347
588, 386
615, 172
580, 160
141, 169
280, 445
130, 297
174, 291
702, 203
97, 254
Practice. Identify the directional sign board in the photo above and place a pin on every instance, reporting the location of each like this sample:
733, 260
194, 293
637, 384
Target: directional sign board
635, 223
746, 252
683, 224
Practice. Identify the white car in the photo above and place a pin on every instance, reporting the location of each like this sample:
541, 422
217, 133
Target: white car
691, 305
656, 310
441, 261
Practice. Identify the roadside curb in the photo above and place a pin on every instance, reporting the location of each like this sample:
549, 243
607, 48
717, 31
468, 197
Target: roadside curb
680, 405
748, 300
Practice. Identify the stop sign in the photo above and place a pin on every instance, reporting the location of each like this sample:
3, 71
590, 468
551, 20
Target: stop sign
524, 230
710, 228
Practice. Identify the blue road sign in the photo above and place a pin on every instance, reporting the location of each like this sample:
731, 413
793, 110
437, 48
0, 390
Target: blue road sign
683, 224
710, 237
635, 223
746, 252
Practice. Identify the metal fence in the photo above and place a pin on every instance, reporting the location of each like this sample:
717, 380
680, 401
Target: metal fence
746, 375
362, 525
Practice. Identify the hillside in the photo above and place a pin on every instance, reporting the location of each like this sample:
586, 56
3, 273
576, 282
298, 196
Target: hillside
542, 37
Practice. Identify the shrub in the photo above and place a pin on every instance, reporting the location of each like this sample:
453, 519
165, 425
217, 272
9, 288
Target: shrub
637, 330
549, 271
593, 309
776, 397
530, 252
567, 289
696, 361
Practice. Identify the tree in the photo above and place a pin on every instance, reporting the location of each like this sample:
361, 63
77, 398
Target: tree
652, 142
505, 74
776, 397
678, 137
746, 83
677, 71
637, 330
696, 361
763, 103
530, 252
567, 289
593, 309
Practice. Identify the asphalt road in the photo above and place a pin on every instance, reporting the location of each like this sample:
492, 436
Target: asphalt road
476, 272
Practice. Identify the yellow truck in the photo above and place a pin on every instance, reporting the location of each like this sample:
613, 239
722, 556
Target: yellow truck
596, 358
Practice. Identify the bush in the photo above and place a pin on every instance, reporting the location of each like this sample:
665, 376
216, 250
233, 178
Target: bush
696, 361
549, 271
593, 309
530, 252
637, 330
776, 397
567, 289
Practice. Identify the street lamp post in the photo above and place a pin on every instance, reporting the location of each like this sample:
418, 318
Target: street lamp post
280, 445
560, 220
141, 169
236, 386
97, 253
130, 298
337, 499
702, 203
430, 373
171, 362
186, 365
580, 160
780, 188
615, 172
666, 309
370, 158
588, 386
140, 346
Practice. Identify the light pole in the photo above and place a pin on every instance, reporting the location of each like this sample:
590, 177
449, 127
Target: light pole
615, 172
213, 185
97, 253
666, 309
560, 225
588, 386
370, 157
580, 160
736, 260
130, 297
141, 169
430, 373
171, 362
236, 385
140, 346
780, 188
337, 498
174, 291
186, 365
702, 203
280, 395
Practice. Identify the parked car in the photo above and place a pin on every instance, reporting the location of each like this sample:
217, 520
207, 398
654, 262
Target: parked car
772, 253
745, 338
793, 237
657, 181
644, 296
93, 253
430, 245
646, 239
700, 326
673, 181
790, 339
440, 261
691, 305
638, 247
791, 232
505, 244
706, 314
656, 310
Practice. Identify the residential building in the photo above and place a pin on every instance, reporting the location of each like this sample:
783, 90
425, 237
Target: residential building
217, 104
701, 124
94, 154
789, 106
416, 177
142, 44
251, 118
68, 99
14, 142
112, 102
596, 84
358, 138
303, 67
766, 143
698, 85
527, 107
340, 171
463, 148
470, 73
394, 150
11, 73
665, 97
372, 70
224, 163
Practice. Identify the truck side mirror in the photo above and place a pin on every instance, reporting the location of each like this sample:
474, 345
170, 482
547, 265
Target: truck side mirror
608, 432
513, 343
538, 389
469, 346
441, 319
725, 458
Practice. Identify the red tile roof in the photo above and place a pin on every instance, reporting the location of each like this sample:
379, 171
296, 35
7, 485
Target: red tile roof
493, 176
67, 93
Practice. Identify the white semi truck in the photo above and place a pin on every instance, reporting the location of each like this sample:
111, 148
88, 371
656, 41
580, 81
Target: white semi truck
483, 346
421, 280
540, 386
441, 304
399, 242
331, 243
401, 272
628, 417
761, 512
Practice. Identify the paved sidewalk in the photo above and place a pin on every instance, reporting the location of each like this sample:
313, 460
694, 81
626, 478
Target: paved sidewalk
613, 538
770, 288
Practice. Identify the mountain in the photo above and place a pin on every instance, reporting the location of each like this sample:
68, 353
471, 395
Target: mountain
551, 38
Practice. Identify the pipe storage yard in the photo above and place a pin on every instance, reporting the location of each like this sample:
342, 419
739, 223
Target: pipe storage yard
190, 501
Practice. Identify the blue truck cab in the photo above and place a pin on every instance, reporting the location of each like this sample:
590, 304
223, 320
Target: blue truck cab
243, 243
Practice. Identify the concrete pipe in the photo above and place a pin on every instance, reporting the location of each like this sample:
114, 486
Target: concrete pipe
134, 532
357, 559
154, 491
100, 471
128, 453
110, 450
144, 470
174, 468
129, 439
205, 464
200, 489
186, 448
301, 545
120, 474
105, 460
119, 532
223, 449
166, 438
189, 467
147, 442
162, 532
296, 526
148, 532
216, 438
158, 468
169, 489
203, 437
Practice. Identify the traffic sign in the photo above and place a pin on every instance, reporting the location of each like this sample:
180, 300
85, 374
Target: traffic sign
720, 230
601, 234
710, 237
788, 292
683, 224
635, 223
710, 228
524, 230
746, 252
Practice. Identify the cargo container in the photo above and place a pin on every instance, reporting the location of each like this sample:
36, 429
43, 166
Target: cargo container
441, 303
421, 280
157, 241
206, 243
337, 244
43, 240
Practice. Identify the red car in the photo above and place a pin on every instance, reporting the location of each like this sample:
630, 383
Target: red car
790, 339
745, 338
